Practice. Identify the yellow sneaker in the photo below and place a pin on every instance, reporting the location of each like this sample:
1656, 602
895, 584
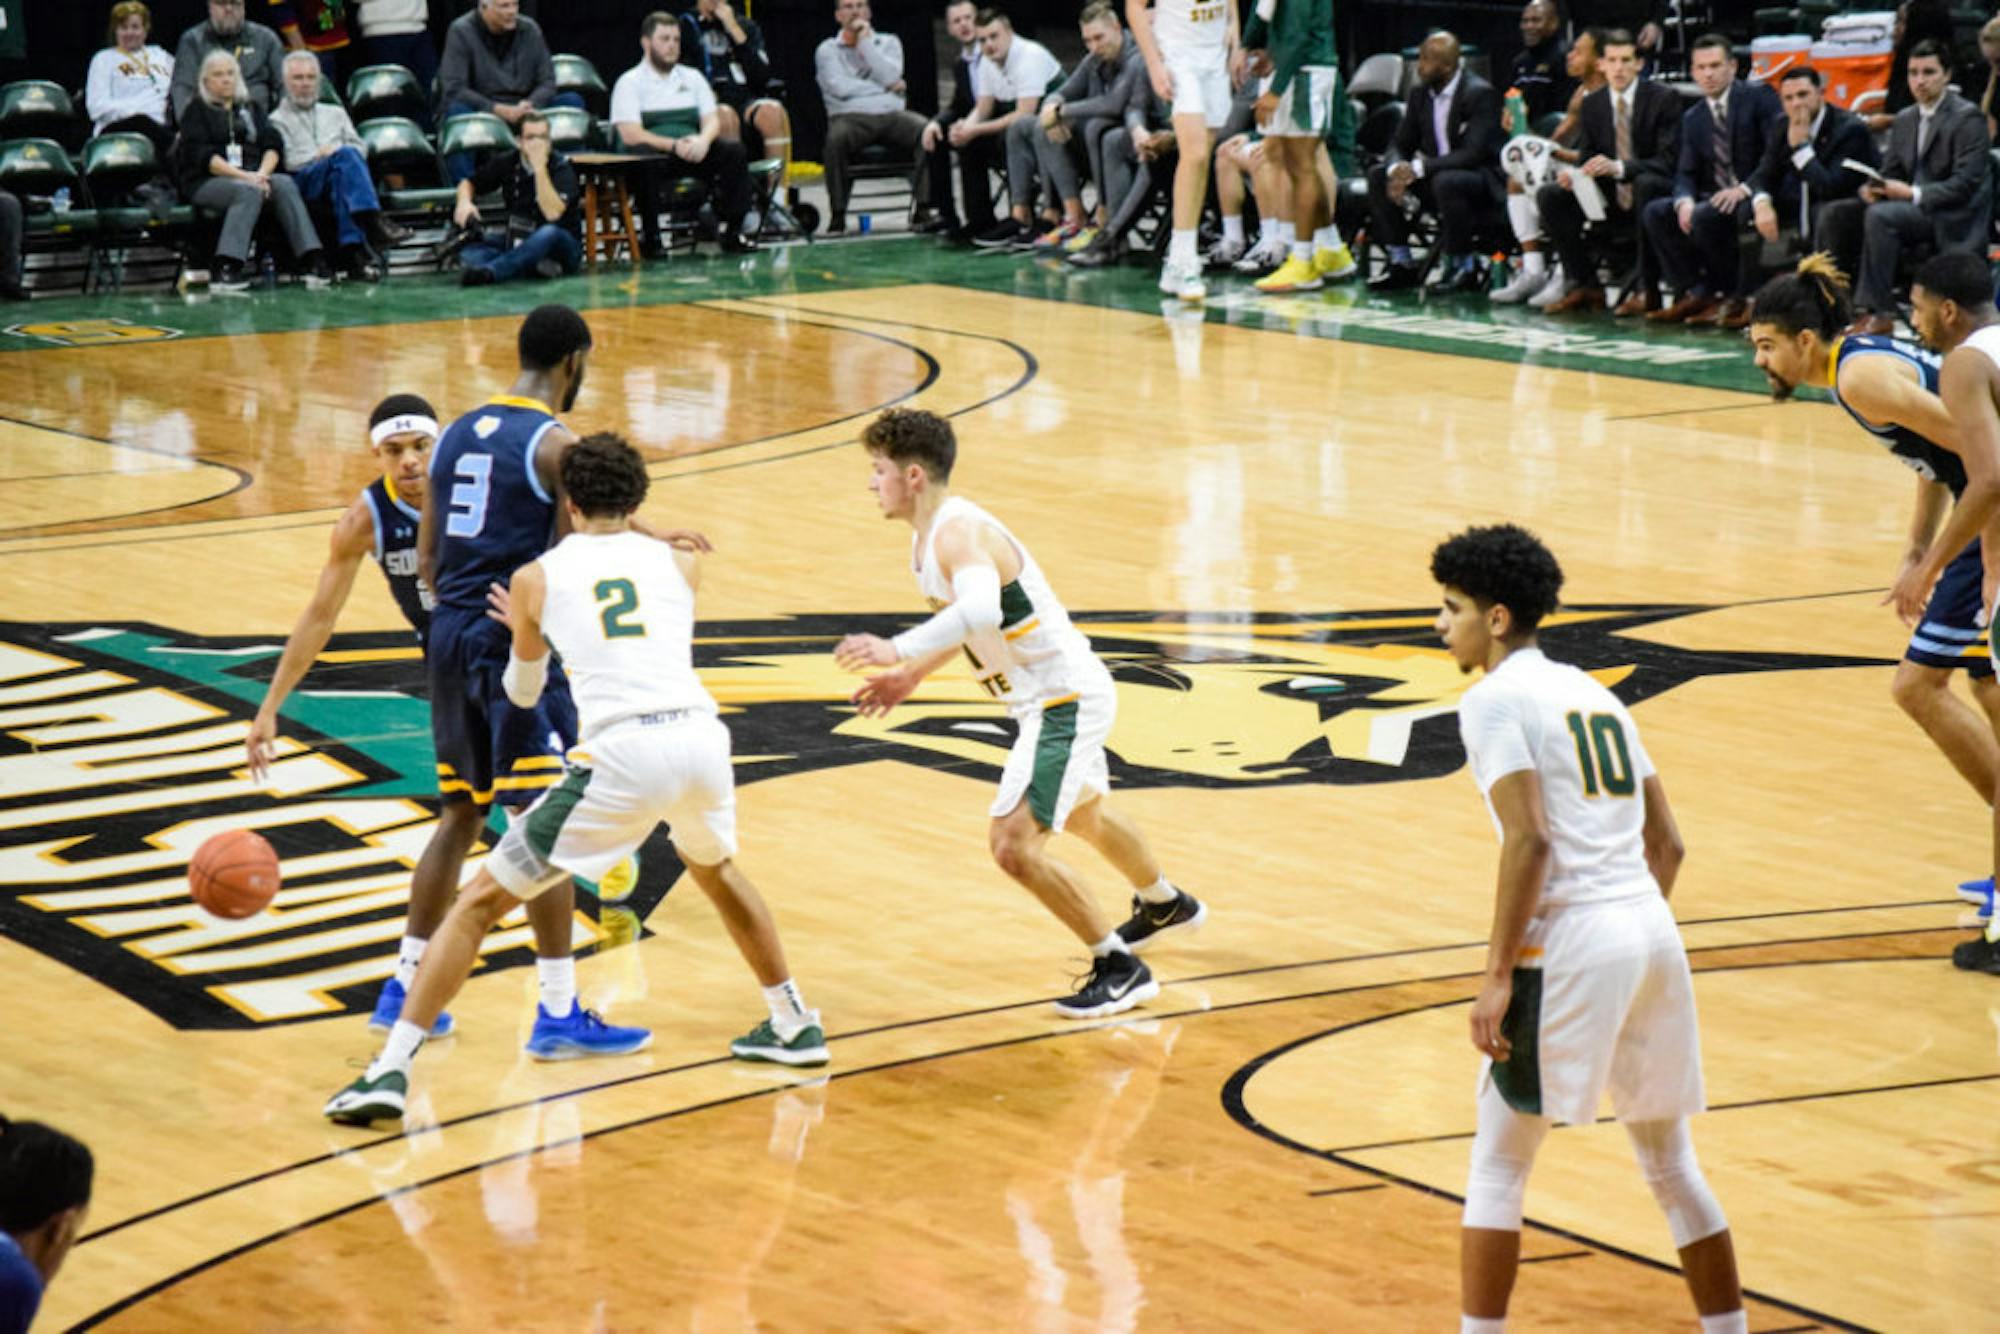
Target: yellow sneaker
619, 882
1080, 240
1294, 275
1335, 264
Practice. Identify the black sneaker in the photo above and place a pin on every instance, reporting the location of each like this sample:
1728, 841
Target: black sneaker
1150, 921
229, 276
1003, 234
1099, 254
737, 243
1117, 982
475, 275
1978, 955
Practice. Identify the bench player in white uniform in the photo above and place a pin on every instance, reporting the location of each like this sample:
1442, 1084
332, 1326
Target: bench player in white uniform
1952, 298
1191, 51
1587, 985
993, 603
619, 606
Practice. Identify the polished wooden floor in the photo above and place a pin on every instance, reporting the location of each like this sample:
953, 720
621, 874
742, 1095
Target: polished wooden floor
1278, 1141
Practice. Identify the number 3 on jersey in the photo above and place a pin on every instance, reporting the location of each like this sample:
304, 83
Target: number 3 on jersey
1602, 754
618, 603
472, 481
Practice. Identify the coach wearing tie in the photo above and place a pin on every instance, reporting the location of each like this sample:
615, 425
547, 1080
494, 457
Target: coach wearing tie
1447, 156
1938, 195
1694, 233
1802, 173
1630, 135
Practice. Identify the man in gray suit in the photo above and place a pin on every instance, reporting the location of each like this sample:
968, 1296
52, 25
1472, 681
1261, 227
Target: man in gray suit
1938, 195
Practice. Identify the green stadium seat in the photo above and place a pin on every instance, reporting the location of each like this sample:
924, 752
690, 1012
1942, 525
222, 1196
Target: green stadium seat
479, 135
394, 144
114, 165
572, 129
384, 90
575, 74
38, 109
37, 167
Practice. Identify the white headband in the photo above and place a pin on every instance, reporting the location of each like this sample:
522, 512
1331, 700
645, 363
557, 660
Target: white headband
404, 425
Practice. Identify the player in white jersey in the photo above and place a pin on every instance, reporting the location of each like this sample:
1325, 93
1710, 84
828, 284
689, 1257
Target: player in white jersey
1586, 985
619, 607
1191, 57
993, 603
1952, 301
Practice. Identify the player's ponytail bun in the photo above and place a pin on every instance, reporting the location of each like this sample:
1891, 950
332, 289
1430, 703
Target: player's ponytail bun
1813, 296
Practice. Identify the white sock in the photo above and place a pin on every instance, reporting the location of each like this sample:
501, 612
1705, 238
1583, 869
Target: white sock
1730, 1322
398, 1051
407, 960
1181, 249
1479, 1324
1993, 929
1160, 891
1533, 261
1327, 238
1288, 232
1302, 251
1232, 228
1111, 944
788, 1008
1525, 218
1267, 230
558, 979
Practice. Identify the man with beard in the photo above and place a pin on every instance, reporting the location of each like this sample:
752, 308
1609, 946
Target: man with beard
258, 51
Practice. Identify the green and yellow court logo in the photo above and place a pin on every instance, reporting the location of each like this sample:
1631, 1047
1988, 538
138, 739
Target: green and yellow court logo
92, 333
122, 750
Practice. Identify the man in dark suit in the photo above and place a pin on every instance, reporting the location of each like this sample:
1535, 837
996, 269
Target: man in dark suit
1629, 144
1723, 137
1801, 172
976, 157
1446, 156
1938, 194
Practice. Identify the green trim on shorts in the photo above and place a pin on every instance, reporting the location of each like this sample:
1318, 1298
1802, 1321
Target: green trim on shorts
1519, 1077
1052, 750
545, 822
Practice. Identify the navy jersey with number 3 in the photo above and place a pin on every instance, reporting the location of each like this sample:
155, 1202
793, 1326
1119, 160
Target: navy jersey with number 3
493, 513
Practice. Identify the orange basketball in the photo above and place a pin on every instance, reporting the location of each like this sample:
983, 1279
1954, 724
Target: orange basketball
234, 874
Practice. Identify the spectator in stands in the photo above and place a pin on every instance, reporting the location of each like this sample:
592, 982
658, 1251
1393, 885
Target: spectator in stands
1938, 194
1525, 175
544, 236
254, 48
976, 157
860, 73
324, 155
496, 60
318, 26
1013, 77
1695, 233
397, 32
1629, 144
226, 160
1916, 21
126, 89
1802, 172
13, 218
1989, 50
730, 51
1541, 71
1090, 104
1446, 154
667, 112
45, 1180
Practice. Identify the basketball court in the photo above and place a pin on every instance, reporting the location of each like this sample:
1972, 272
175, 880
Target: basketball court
1239, 509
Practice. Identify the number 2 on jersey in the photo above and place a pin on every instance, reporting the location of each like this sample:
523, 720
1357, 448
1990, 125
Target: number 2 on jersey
1602, 754
618, 601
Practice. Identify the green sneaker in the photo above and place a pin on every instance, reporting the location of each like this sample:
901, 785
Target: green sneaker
762, 1043
368, 1100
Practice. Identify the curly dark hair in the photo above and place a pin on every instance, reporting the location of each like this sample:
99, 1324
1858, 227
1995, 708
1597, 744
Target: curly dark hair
604, 476
911, 435
549, 334
42, 1172
1813, 296
1503, 565
1958, 277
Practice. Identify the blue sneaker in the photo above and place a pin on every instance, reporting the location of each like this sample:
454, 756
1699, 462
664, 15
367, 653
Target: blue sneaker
1979, 893
582, 1032
389, 1008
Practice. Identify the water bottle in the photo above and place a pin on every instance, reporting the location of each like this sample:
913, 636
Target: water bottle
267, 279
865, 220
1517, 113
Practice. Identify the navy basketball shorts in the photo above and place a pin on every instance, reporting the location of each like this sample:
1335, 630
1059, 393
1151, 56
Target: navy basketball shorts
1949, 635
487, 749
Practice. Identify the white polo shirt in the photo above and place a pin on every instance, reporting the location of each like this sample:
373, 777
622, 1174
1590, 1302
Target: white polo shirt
1027, 72
643, 90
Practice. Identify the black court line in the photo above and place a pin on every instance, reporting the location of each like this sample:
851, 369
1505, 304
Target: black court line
1695, 412
501, 1110
1348, 1190
243, 479
191, 465
1559, 1255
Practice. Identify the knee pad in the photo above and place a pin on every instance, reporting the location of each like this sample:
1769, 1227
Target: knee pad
1666, 1158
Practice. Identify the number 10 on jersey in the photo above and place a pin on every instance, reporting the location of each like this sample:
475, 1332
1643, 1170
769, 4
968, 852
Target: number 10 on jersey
1601, 753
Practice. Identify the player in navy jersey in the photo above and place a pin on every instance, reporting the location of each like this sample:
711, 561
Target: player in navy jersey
45, 1183
1889, 386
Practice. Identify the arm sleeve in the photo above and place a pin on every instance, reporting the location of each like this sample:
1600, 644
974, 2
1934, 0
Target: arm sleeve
975, 606
523, 681
1491, 724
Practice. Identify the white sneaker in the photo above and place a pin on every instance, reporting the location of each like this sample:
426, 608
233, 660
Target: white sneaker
1182, 280
1263, 257
1523, 285
1553, 291
1224, 253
